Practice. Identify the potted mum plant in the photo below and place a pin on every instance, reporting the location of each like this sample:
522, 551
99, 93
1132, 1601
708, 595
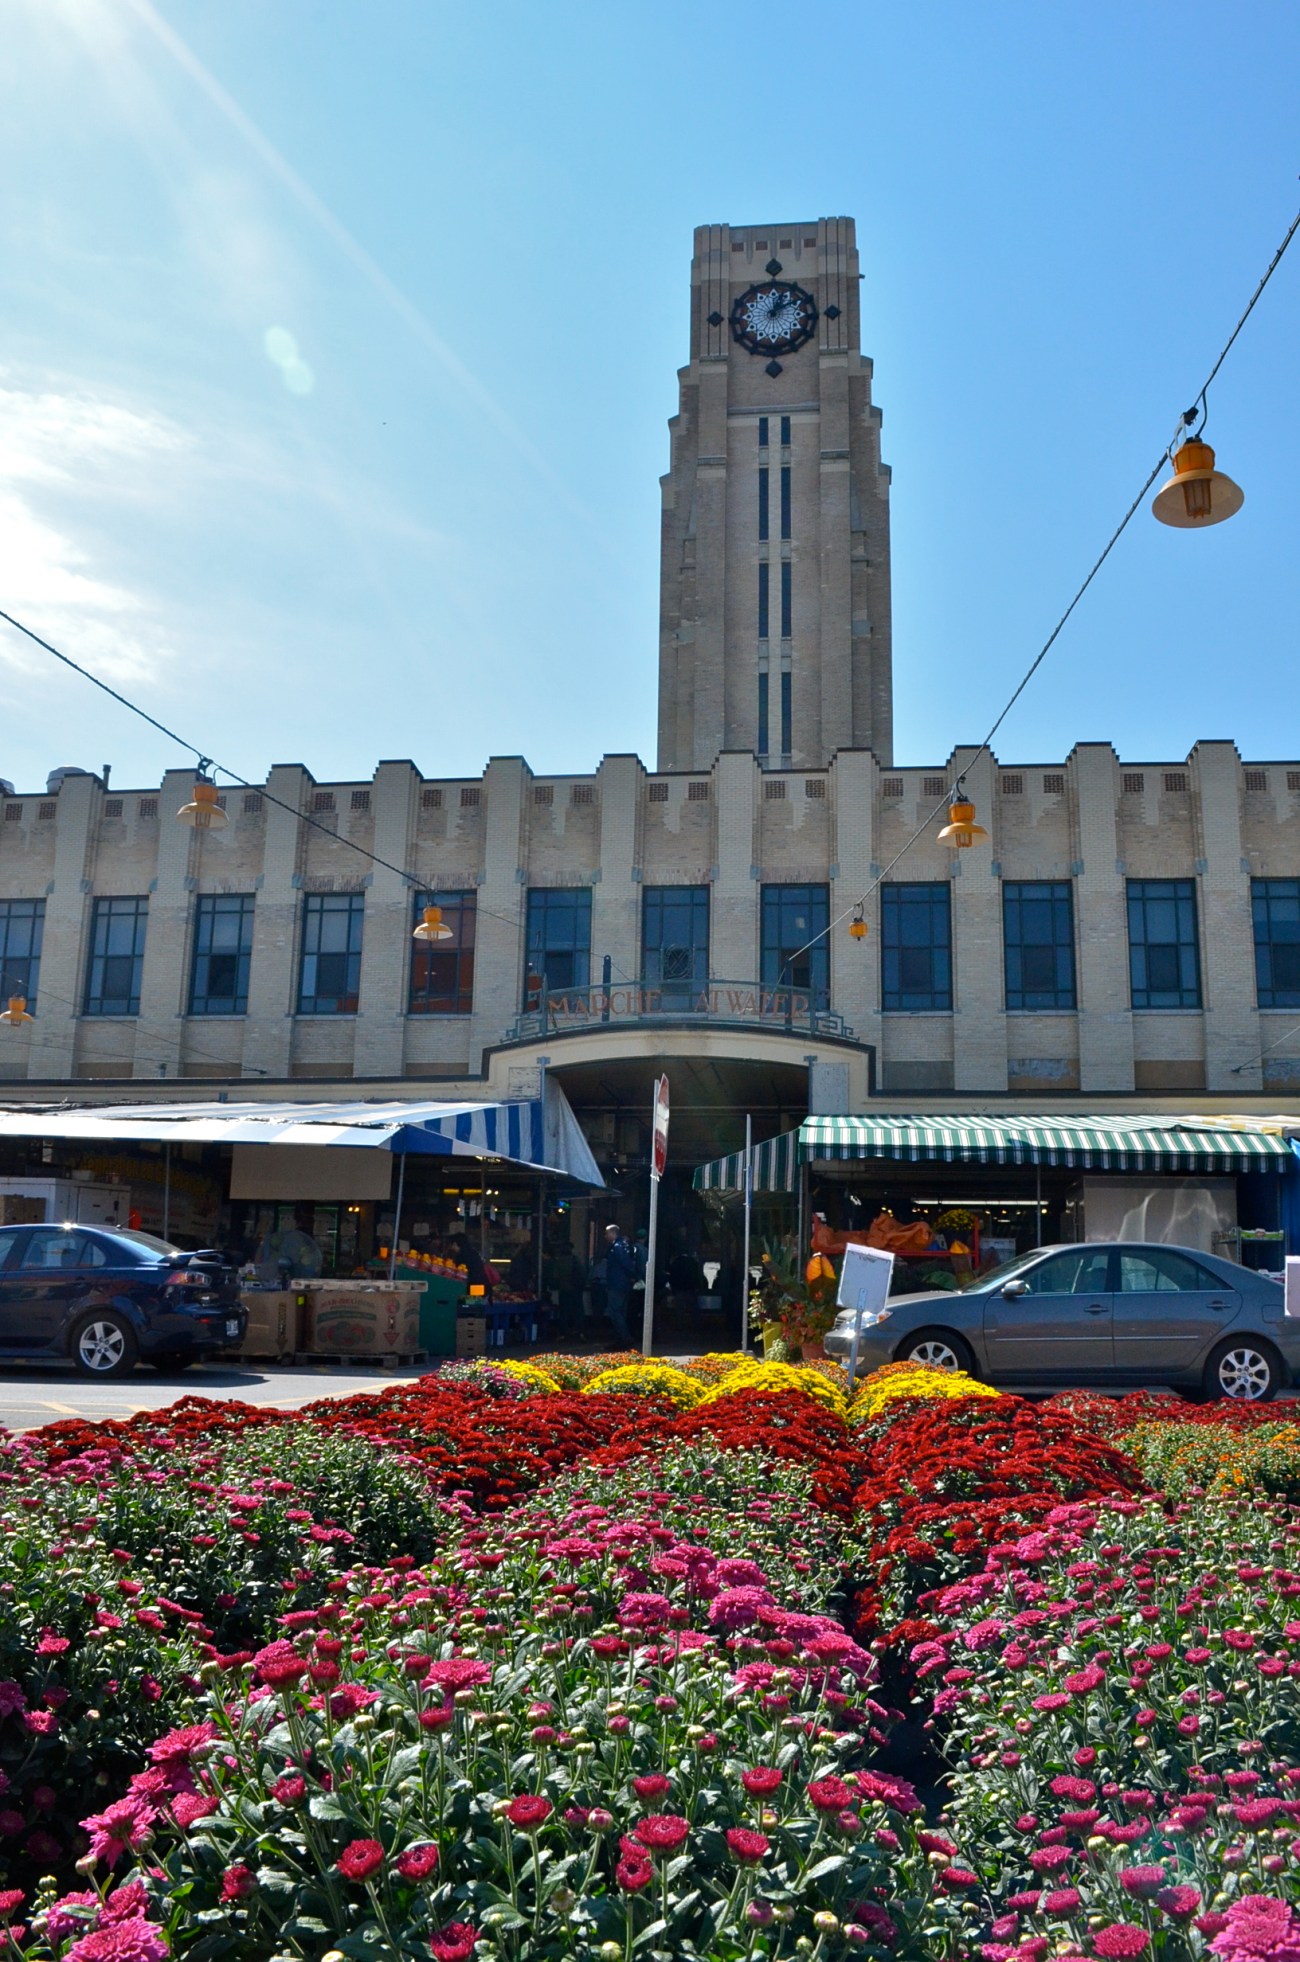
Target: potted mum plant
790, 1311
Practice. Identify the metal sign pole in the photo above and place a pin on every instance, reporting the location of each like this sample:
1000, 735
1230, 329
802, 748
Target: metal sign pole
658, 1161
749, 1200
397, 1214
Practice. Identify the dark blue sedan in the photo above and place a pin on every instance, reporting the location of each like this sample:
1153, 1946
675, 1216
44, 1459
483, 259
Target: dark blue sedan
107, 1297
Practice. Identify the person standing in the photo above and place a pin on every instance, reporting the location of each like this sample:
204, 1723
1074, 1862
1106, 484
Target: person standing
623, 1269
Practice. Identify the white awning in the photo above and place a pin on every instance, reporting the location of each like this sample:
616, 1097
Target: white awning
546, 1137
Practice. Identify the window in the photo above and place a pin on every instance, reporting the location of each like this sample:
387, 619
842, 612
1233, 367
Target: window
1176, 780
442, 971
112, 808
1133, 783
675, 939
1084, 1270
697, 793
252, 805
1275, 905
933, 786
786, 711
223, 947
792, 916
785, 431
762, 503
543, 793
916, 946
22, 927
1012, 785
117, 928
1038, 936
585, 793
431, 797
762, 713
56, 1248
657, 793
762, 599
329, 979
1164, 967
322, 800
1257, 779
1054, 784
44, 812
13, 813
785, 500
762, 432
787, 604
814, 787
774, 789
147, 808
1152, 1272
891, 787
559, 937
361, 800
469, 796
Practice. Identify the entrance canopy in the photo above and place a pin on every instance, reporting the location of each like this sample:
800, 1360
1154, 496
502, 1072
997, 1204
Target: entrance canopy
1091, 1144
544, 1135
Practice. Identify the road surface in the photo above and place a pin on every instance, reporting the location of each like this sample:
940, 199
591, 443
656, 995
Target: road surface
39, 1393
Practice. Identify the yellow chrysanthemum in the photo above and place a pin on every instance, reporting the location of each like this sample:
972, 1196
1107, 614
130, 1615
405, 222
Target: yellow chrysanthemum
714, 1366
529, 1373
648, 1379
908, 1379
771, 1378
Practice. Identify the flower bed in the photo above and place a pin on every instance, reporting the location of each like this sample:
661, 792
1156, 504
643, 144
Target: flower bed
489, 1670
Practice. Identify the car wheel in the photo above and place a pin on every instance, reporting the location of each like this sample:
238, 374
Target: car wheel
1246, 1371
938, 1347
104, 1345
171, 1365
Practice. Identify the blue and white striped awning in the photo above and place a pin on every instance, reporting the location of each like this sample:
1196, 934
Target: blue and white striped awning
542, 1135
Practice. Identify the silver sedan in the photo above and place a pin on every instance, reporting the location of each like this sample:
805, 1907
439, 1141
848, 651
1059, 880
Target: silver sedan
1109, 1315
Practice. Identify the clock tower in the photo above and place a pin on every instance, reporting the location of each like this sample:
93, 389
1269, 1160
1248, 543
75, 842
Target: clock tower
774, 630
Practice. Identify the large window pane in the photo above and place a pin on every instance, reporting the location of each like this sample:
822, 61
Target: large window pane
117, 930
675, 938
1038, 936
330, 977
1275, 905
793, 916
22, 926
223, 950
442, 971
559, 940
1164, 959
916, 946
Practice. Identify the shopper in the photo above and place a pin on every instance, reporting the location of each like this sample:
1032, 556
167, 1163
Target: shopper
624, 1267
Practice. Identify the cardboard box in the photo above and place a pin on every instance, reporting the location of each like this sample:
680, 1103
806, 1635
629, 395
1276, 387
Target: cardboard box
361, 1318
274, 1321
471, 1335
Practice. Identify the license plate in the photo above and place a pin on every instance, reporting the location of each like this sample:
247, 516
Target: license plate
232, 1328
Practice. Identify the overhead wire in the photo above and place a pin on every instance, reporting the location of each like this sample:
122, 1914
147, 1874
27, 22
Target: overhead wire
1185, 422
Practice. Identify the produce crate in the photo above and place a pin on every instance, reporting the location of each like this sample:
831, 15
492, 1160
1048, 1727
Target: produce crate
471, 1335
361, 1318
274, 1321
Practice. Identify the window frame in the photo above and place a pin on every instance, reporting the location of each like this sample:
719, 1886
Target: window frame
20, 973
779, 938
660, 901
460, 912
896, 996
1063, 997
1264, 894
1181, 893
105, 910
545, 903
317, 907
208, 908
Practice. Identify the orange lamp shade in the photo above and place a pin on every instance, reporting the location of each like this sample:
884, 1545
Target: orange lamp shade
16, 1013
432, 926
1197, 494
857, 927
203, 813
961, 830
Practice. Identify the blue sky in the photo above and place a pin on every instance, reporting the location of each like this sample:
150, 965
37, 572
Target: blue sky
339, 342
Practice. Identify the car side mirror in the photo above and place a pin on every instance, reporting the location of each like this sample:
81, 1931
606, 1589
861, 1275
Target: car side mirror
1014, 1289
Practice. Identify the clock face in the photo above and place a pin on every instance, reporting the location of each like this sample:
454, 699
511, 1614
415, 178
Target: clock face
773, 319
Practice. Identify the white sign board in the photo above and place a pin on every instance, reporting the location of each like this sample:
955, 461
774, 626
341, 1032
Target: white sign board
864, 1287
1293, 1285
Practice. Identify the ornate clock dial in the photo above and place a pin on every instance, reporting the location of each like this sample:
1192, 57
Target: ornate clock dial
773, 319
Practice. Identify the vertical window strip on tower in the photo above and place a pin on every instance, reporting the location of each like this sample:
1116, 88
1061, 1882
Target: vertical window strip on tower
762, 713
762, 432
786, 599
762, 503
762, 600
785, 432
785, 501
785, 712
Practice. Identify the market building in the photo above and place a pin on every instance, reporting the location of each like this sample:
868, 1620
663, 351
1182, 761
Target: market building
1127, 943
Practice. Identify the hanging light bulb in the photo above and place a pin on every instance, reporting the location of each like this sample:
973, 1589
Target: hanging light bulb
1197, 493
16, 1013
432, 927
857, 926
203, 813
961, 830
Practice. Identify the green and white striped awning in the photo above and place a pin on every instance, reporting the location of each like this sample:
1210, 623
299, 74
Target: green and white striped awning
775, 1168
1089, 1144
